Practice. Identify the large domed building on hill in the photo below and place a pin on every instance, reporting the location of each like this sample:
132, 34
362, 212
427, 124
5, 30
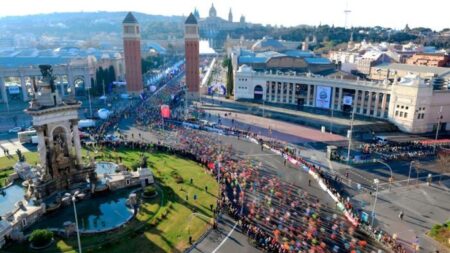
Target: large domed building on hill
214, 27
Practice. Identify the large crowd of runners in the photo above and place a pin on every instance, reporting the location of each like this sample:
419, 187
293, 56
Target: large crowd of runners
399, 151
277, 216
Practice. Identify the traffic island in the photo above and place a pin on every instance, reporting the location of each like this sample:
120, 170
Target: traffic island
164, 223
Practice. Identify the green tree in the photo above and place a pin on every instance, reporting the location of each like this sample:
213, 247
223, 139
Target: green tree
149, 191
230, 81
99, 79
225, 62
111, 74
41, 237
102, 75
20, 155
151, 62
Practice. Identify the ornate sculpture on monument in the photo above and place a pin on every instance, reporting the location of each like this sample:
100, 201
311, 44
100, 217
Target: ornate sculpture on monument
56, 124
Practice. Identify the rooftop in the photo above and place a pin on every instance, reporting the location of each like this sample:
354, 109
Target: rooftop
191, 20
14, 62
267, 43
317, 60
130, 19
248, 57
440, 71
299, 53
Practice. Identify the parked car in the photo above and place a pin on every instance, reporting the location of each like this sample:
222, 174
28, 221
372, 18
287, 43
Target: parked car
84, 135
111, 137
15, 130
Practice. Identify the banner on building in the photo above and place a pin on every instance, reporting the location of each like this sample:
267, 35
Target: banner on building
323, 97
14, 90
165, 111
347, 100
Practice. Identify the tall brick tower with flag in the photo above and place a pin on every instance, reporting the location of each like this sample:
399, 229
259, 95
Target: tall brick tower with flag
191, 46
132, 54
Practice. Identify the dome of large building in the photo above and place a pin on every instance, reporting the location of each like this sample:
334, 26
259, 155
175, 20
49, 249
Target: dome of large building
212, 11
267, 44
242, 19
245, 68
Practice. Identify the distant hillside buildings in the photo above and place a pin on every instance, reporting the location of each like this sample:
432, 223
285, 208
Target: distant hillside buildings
360, 58
215, 28
429, 59
370, 79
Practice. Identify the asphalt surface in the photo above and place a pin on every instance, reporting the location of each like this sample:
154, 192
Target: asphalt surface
424, 205
229, 238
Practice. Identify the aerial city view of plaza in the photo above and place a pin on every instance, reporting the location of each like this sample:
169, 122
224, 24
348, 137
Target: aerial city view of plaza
224, 126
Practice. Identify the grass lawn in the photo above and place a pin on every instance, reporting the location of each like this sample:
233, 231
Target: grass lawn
163, 224
441, 233
6, 164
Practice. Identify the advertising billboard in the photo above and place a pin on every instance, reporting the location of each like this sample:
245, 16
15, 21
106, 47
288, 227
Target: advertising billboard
323, 97
165, 111
347, 100
14, 90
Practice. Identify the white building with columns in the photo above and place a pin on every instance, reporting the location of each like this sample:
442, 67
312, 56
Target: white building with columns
411, 104
69, 72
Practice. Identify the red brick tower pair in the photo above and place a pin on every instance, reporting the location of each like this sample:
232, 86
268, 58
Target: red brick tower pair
132, 54
191, 46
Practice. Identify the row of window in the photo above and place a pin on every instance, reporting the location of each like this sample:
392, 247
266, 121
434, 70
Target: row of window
401, 114
404, 107
420, 115
130, 29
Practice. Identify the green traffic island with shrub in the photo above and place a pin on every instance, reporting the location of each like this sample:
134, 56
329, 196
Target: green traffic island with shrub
149, 192
41, 239
4, 175
7, 163
441, 233
163, 223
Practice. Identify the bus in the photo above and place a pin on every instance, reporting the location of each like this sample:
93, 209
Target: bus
27, 137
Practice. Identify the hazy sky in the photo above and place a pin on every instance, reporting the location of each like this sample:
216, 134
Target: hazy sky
389, 13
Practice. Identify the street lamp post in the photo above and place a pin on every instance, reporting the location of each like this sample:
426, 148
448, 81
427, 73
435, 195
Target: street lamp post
437, 129
410, 167
377, 182
350, 133
104, 91
417, 176
90, 103
263, 109
185, 103
331, 120
390, 170
76, 224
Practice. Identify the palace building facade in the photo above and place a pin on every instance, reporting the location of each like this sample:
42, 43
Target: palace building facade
413, 104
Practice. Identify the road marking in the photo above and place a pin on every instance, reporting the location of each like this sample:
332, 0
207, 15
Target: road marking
226, 238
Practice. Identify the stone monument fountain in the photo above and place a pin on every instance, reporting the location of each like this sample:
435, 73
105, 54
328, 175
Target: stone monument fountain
56, 124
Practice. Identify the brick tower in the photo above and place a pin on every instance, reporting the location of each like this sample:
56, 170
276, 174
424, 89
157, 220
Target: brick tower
191, 46
132, 53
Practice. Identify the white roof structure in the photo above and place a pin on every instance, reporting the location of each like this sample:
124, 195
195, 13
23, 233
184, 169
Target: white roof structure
245, 68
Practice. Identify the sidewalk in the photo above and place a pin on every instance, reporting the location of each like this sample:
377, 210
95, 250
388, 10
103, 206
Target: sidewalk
423, 206
226, 238
339, 123
12, 146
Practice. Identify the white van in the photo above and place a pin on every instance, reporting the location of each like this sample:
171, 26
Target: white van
381, 139
86, 123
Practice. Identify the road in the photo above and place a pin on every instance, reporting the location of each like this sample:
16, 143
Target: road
400, 197
229, 238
